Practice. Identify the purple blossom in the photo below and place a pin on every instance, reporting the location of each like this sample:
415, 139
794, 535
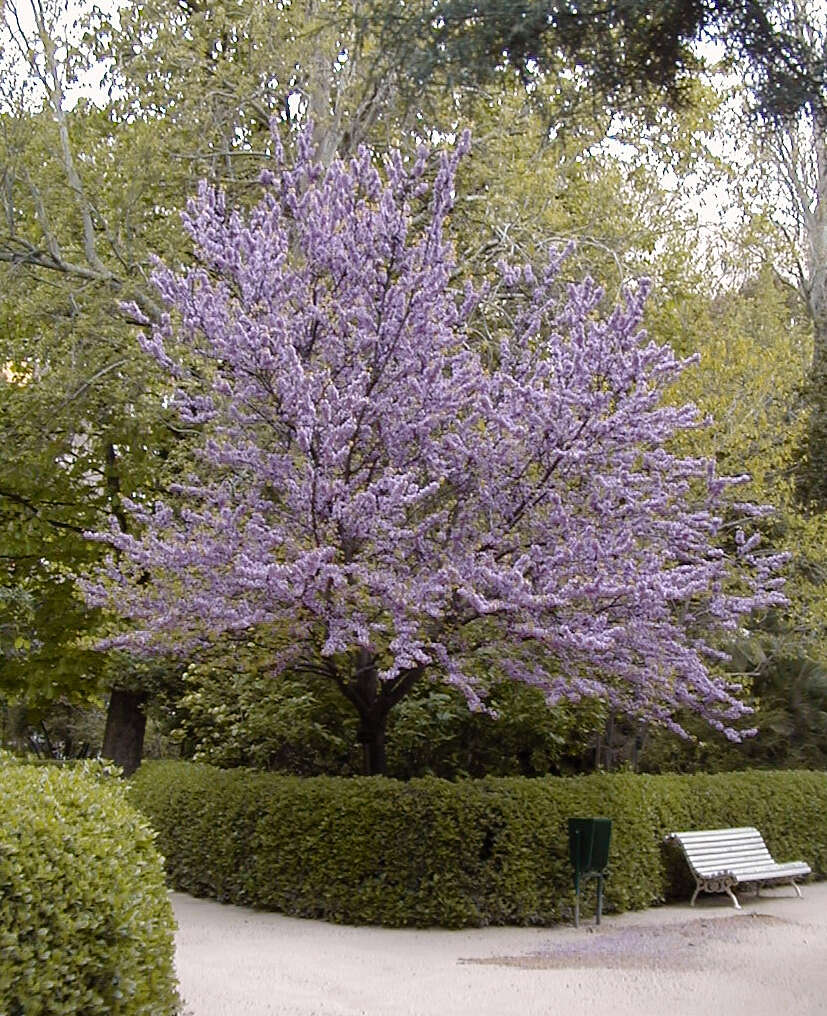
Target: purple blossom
374, 490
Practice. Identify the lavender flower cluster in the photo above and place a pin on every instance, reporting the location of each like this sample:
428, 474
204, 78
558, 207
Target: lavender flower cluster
370, 480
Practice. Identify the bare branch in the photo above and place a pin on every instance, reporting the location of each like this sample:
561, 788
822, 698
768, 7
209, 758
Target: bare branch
43, 219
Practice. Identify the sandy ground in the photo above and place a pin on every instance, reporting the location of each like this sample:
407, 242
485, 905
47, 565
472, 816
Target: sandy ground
770, 959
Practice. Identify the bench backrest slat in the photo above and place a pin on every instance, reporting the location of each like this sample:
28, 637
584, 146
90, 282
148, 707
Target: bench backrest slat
713, 850
742, 832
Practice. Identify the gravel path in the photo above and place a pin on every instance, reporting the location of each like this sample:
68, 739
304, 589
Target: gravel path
768, 960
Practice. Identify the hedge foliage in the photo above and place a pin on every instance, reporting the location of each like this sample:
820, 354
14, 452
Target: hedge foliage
430, 852
86, 925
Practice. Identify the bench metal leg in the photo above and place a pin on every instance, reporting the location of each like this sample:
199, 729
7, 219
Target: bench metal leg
793, 884
733, 897
714, 885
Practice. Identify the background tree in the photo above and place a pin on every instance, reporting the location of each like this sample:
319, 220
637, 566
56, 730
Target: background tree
385, 502
755, 346
623, 51
792, 156
777, 234
65, 346
216, 75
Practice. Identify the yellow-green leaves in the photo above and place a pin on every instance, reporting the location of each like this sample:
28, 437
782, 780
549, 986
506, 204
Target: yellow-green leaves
85, 921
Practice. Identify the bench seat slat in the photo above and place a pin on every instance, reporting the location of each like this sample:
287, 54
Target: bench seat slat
755, 875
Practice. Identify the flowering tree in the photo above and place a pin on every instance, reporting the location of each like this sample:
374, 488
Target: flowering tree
383, 496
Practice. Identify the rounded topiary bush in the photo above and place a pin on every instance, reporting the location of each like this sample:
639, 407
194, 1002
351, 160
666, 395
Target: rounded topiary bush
86, 925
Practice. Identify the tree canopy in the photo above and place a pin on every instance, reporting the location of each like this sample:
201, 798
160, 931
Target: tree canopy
621, 49
383, 494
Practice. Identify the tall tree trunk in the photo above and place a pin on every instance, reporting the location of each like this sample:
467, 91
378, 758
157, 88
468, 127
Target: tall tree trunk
123, 738
812, 474
813, 477
813, 480
798, 154
813, 485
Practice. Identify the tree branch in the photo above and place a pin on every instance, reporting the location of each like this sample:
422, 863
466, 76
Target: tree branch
35, 511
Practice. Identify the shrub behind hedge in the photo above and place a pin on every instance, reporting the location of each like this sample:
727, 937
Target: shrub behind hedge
86, 925
430, 852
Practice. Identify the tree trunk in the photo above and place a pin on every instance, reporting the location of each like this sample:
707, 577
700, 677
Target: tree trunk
123, 739
373, 713
813, 481
813, 477
371, 736
373, 699
813, 489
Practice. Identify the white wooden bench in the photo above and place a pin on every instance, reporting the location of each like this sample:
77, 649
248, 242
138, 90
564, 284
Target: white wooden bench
721, 859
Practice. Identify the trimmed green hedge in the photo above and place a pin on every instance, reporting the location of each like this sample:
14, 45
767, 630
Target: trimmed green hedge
430, 852
86, 924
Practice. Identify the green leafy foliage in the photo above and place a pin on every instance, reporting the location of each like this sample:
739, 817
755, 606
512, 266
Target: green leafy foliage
234, 712
234, 716
428, 852
625, 50
789, 694
85, 923
79, 408
433, 734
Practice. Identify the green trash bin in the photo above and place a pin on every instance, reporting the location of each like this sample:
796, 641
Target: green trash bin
589, 840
